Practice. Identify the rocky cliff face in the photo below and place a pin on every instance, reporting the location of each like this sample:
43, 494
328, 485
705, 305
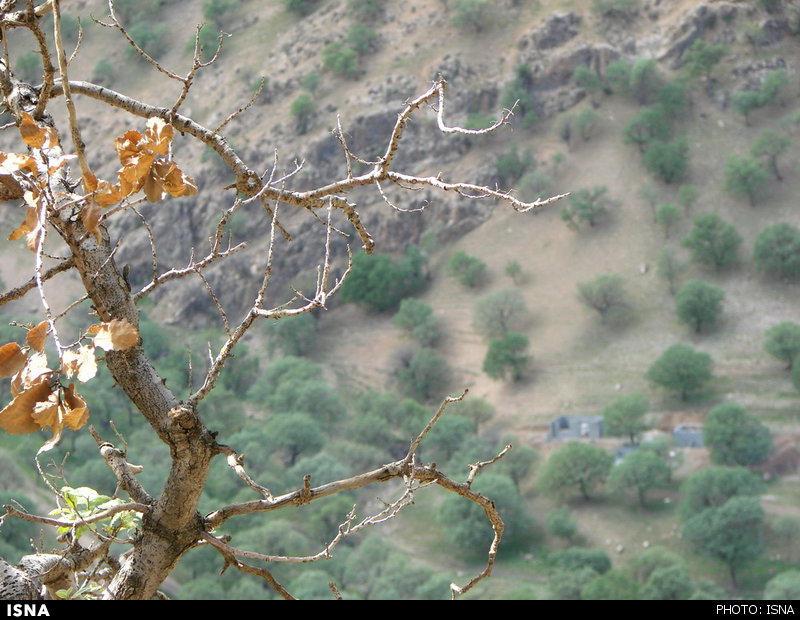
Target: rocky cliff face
550, 46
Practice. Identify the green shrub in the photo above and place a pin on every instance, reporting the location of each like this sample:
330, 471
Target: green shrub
507, 356
362, 38
340, 59
303, 109
698, 304
366, 10
668, 160
301, 7
382, 283
468, 270
470, 15
777, 251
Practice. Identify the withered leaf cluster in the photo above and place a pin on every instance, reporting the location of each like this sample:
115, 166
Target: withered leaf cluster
39, 398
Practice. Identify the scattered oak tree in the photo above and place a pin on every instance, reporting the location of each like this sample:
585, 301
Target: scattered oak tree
698, 305
640, 471
735, 437
575, 466
625, 417
713, 241
777, 251
507, 355
605, 294
681, 369
783, 342
160, 523
730, 533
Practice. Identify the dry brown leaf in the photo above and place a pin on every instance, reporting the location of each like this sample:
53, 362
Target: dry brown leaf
30, 224
38, 336
14, 162
47, 412
17, 417
159, 134
34, 369
81, 363
153, 189
65, 408
116, 335
31, 133
77, 412
90, 216
12, 359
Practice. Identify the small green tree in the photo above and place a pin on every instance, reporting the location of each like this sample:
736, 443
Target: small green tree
681, 369
616, 9
215, 10
575, 466
416, 319
745, 175
615, 585
646, 126
382, 283
668, 160
465, 522
712, 486
303, 109
670, 267
536, 183
294, 434
773, 85
645, 81
687, 196
783, 342
470, 14
730, 533
562, 524
777, 251
625, 417
468, 270
507, 355
301, 7
672, 97
499, 313
514, 271
618, 76
713, 241
511, 165
769, 145
366, 11
340, 59
698, 305
667, 215
605, 294
588, 205
588, 79
702, 57
586, 122
745, 102
425, 376
362, 39
672, 583
735, 437
640, 471
294, 335
576, 558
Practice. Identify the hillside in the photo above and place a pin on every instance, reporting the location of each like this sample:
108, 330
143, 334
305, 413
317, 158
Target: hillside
580, 362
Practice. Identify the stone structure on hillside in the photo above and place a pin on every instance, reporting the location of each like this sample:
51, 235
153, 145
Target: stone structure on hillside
576, 427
